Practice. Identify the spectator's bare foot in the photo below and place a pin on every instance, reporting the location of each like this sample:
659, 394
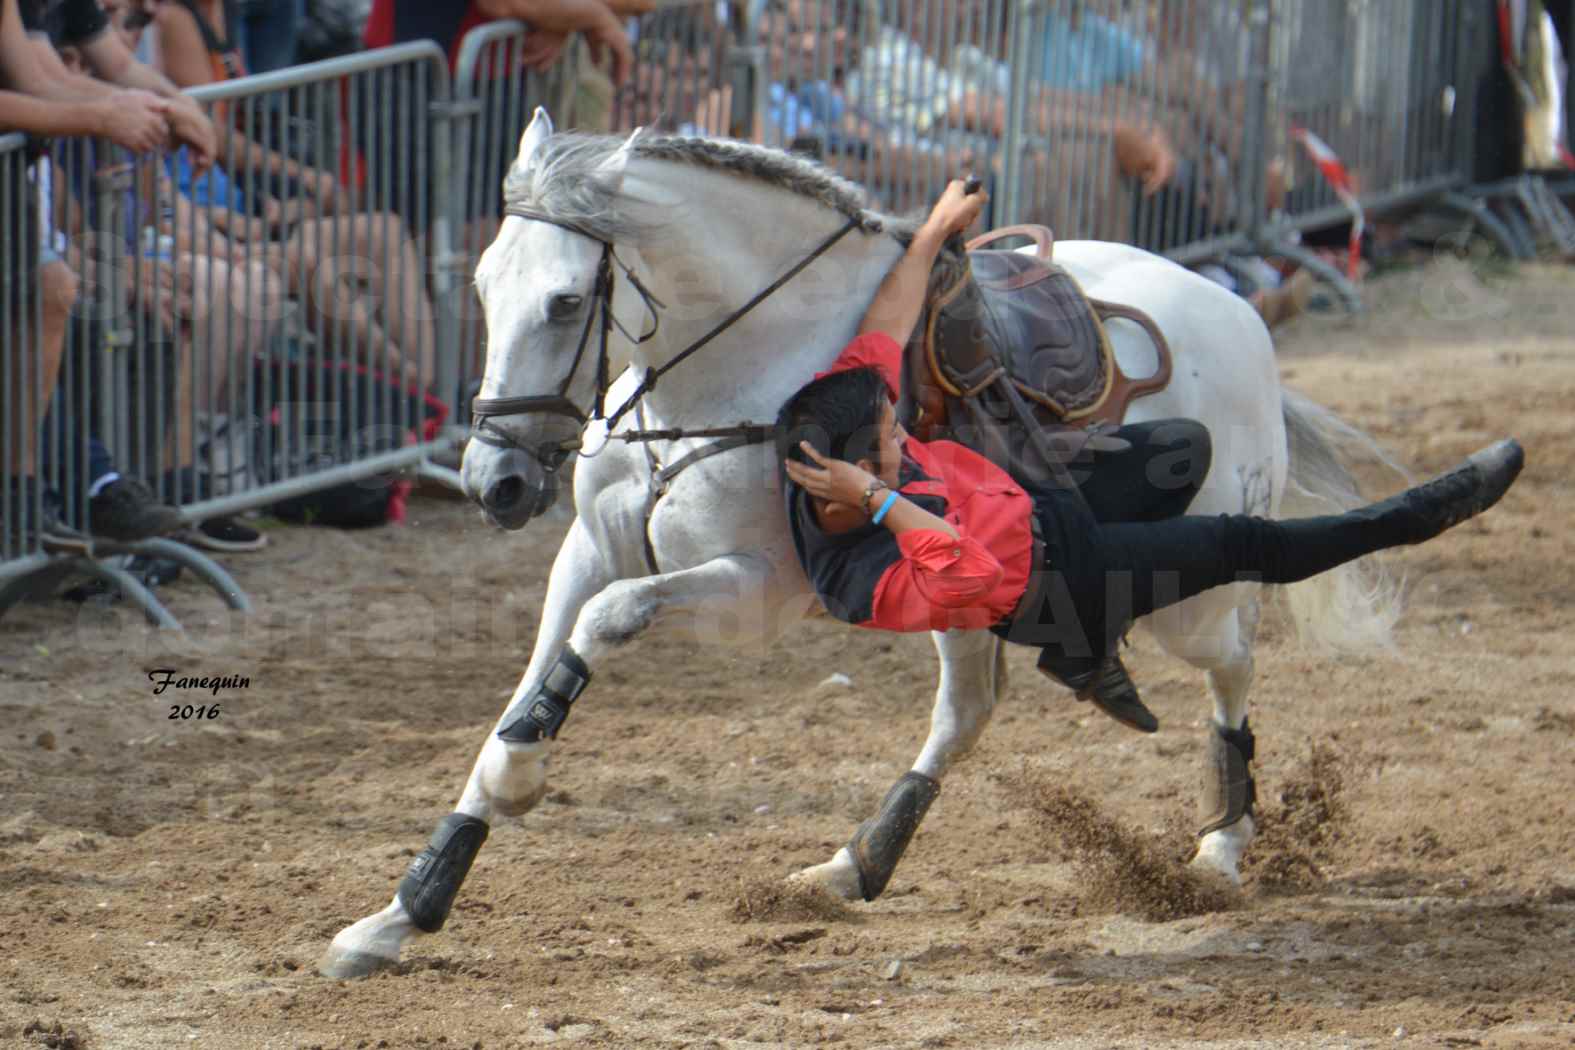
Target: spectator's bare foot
1278, 305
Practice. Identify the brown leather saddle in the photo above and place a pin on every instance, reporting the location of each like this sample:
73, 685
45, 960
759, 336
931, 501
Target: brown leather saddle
1008, 343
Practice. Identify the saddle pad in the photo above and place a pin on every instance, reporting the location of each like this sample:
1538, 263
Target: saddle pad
1030, 317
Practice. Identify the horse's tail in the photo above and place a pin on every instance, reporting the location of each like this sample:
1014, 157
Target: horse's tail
1356, 605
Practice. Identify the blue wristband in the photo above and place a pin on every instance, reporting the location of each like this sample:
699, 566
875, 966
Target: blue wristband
891, 497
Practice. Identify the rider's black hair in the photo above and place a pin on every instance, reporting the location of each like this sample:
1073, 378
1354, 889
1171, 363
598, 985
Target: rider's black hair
839, 415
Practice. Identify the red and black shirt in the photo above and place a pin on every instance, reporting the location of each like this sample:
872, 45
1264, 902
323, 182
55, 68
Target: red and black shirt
923, 579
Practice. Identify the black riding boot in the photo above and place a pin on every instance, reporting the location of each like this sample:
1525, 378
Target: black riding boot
1105, 683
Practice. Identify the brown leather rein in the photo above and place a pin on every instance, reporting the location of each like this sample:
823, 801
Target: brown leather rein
552, 455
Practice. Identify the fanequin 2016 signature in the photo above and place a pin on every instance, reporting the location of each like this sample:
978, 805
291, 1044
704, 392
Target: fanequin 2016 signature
167, 678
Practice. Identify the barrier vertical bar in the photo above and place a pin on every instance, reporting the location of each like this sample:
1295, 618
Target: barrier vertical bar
14, 359
1255, 130
1023, 15
110, 184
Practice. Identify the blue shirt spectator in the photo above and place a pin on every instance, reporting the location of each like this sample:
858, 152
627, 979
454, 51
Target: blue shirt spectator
1088, 56
215, 188
812, 108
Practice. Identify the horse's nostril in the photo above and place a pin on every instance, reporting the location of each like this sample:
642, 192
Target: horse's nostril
505, 494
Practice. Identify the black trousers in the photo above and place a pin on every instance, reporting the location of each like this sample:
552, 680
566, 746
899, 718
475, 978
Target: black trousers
1122, 546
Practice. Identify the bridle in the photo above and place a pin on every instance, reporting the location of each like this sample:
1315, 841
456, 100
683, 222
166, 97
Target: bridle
552, 456
559, 403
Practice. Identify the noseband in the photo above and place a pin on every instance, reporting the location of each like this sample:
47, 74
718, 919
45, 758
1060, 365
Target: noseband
551, 457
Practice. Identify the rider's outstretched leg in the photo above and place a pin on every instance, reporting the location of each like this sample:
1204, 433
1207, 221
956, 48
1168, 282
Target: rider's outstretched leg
1206, 552
1169, 561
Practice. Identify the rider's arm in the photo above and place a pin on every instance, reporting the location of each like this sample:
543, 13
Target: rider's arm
937, 572
900, 298
932, 565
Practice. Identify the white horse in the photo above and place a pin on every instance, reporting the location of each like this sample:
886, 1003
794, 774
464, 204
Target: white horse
703, 227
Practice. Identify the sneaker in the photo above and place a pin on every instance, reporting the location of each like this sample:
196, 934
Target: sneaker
126, 510
1462, 493
1112, 690
226, 534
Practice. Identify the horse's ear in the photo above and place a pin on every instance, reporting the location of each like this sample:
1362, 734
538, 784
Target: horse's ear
535, 135
610, 171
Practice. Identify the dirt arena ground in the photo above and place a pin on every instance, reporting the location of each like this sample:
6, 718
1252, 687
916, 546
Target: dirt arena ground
171, 883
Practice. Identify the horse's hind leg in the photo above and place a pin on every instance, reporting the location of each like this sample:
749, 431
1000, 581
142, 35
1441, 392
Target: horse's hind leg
507, 780
1226, 805
973, 675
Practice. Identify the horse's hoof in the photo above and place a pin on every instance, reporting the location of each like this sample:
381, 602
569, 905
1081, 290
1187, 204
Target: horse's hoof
346, 964
839, 876
1222, 867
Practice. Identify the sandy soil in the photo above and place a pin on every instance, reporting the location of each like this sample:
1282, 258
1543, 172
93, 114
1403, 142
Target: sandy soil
171, 883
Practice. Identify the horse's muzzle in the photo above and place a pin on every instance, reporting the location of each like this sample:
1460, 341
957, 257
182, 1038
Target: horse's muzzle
518, 489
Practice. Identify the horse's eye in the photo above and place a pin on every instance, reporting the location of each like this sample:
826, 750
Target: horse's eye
562, 307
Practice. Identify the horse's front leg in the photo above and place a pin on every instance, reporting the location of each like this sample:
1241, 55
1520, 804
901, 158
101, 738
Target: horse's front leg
507, 779
973, 677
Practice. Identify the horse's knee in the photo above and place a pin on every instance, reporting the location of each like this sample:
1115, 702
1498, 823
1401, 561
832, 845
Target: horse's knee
616, 616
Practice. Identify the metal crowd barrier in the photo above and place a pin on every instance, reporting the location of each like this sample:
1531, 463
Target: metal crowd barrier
22, 382
692, 73
242, 345
357, 288
1063, 106
495, 94
242, 339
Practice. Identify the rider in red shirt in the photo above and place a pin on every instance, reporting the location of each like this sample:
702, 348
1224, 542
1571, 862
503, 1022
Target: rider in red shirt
904, 535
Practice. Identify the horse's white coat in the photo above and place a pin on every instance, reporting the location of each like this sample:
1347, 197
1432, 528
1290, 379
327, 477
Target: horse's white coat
728, 571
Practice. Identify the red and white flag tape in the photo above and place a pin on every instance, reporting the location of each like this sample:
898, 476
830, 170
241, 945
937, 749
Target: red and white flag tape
1335, 173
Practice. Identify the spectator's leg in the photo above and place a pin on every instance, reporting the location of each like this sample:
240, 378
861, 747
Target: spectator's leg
234, 313
58, 286
331, 286
400, 318
406, 308
252, 301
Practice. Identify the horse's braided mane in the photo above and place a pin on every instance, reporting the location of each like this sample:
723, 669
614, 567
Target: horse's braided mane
562, 183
